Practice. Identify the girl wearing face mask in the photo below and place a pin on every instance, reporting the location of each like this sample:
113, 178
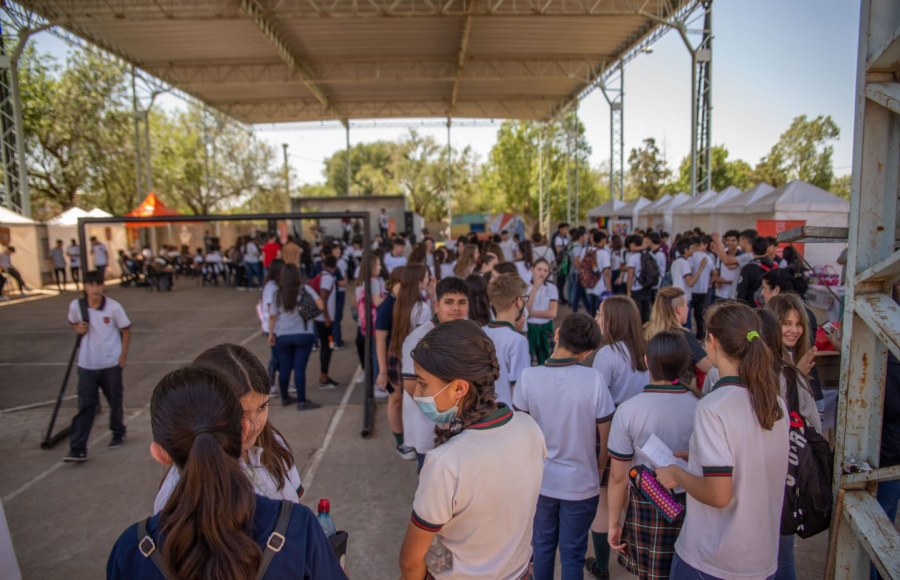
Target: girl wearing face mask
479, 488
266, 457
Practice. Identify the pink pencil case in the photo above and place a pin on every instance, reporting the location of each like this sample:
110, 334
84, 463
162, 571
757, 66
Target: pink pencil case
644, 479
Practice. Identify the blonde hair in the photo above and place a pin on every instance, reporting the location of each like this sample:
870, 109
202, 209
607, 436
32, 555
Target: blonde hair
504, 289
663, 316
467, 262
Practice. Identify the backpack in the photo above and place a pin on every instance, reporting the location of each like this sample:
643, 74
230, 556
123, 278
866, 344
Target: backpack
649, 276
316, 282
586, 273
306, 306
361, 312
807, 492
758, 299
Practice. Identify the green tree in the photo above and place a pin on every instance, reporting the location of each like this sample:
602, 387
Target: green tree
841, 186
804, 152
724, 173
647, 171
369, 172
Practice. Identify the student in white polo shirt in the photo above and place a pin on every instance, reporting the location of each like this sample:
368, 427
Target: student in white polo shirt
724, 275
602, 266
543, 303
480, 484
643, 297
572, 405
507, 295
105, 336
452, 304
325, 322
738, 459
664, 409
100, 255
700, 287
395, 257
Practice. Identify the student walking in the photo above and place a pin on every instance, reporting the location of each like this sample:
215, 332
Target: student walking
597, 258
58, 260
635, 290
266, 457
543, 304
74, 253
572, 405
7, 267
480, 484
214, 526
294, 306
270, 288
738, 459
326, 320
507, 294
100, 255
251, 255
105, 336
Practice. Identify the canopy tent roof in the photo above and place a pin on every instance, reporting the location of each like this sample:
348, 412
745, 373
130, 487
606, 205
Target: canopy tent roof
670, 204
636, 205
800, 196
151, 207
659, 201
688, 206
613, 207
743, 203
9, 217
71, 215
268, 61
724, 196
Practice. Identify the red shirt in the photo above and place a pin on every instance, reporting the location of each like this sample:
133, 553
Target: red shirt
270, 252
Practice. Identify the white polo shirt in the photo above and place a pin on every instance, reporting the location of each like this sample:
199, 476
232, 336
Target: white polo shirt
391, 261
420, 314
508, 248
479, 492
666, 411
74, 253
524, 272
681, 268
660, 258
613, 362
98, 251
268, 294
447, 270
634, 261
546, 294
329, 282
739, 541
701, 285
603, 263
512, 356
568, 401
418, 430
101, 347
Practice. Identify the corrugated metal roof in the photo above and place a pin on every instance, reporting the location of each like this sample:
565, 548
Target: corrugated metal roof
266, 61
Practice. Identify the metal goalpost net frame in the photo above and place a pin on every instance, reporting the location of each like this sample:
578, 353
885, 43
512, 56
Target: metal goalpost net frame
368, 428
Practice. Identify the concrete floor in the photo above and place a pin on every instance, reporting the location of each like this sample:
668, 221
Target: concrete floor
64, 518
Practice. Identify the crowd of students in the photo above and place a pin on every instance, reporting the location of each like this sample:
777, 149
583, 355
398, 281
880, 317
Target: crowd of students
522, 449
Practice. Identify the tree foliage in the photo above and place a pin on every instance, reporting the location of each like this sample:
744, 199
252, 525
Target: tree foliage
804, 152
724, 173
647, 170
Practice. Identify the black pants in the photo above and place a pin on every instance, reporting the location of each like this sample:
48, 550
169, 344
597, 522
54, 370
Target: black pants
76, 275
102, 270
14, 274
384, 234
60, 272
699, 304
89, 383
324, 334
644, 300
560, 286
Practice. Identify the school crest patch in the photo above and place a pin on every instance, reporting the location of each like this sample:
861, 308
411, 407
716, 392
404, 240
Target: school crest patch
106, 320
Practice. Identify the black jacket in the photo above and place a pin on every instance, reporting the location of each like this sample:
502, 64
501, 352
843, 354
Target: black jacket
751, 279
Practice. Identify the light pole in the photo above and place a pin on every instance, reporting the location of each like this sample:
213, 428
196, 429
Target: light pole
287, 176
572, 134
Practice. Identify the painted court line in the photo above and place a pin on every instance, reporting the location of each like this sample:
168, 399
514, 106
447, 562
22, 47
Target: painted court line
49, 471
310, 473
35, 405
247, 340
134, 331
64, 363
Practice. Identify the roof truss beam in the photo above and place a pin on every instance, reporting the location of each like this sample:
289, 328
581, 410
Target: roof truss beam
461, 56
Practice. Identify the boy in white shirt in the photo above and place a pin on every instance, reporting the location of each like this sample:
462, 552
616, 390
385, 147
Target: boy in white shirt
105, 337
74, 253
100, 255
573, 408
724, 276
396, 257
636, 291
507, 295
655, 244
700, 287
683, 276
508, 246
602, 264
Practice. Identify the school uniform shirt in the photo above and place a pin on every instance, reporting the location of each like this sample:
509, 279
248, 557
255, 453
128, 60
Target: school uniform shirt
545, 252
418, 430
681, 268
288, 322
546, 294
634, 261
420, 314
666, 411
512, 356
739, 541
290, 488
306, 552
58, 259
391, 261
447, 270
98, 251
508, 248
101, 346
251, 253
383, 221
604, 262
74, 253
342, 268
660, 258
268, 294
728, 275
615, 257
479, 491
701, 284
329, 281
613, 362
568, 401
524, 270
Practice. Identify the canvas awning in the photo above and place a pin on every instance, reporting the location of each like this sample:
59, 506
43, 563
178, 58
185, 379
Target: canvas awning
611, 208
71, 215
151, 207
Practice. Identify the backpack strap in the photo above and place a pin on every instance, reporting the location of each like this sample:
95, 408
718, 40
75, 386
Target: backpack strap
276, 539
147, 547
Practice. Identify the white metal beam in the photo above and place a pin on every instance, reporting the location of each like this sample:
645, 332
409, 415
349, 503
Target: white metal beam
461, 55
874, 531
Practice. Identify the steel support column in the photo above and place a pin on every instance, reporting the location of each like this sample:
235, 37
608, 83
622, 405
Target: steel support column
449, 182
613, 88
702, 63
871, 322
347, 160
541, 179
16, 195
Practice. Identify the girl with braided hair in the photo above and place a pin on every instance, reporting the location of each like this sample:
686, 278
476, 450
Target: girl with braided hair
479, 486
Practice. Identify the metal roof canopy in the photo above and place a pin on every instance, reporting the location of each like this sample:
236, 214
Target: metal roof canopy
272, 61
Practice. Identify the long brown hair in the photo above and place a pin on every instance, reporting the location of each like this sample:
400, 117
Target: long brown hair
663, 316
479, 303
394, 279
420, 251
441, 256
623, 329
467, 262
407, 299
248, 375
731, 324
781, 305
494, 248
196, 417
460, 350
527, 253
290, 284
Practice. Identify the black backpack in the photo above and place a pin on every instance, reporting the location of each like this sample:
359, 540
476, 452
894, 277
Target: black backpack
306, 306
807, 492
649, 276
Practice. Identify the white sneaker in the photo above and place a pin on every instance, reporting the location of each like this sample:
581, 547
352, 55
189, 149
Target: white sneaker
379, 394
273, 390
407, 453
361, 378
4, 298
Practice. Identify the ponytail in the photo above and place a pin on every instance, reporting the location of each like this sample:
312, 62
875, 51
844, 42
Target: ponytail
196, 418
737, 328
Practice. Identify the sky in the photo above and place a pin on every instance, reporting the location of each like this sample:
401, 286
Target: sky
772, 61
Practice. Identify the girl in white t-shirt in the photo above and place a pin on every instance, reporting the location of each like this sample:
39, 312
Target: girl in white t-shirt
738, 458
479, 487
266, 457
665, 409
543, 303
270, 288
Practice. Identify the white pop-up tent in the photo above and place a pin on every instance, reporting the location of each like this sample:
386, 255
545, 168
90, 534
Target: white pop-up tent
611, 208
683, 215
660, 215
735, 214
703, 211
634, 207
65, 227
617, 209
648, 216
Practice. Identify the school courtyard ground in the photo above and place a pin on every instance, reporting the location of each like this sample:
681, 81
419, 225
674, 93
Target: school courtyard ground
64, 518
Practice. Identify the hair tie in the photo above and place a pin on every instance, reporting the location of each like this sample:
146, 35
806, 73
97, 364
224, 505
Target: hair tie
676, 381
751, 335
203, 431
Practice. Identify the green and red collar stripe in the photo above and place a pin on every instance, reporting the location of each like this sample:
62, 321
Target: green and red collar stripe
435, 320
718, 471
500, 324
498, 418
728, 382
676, 388
560, 362
606, 419
422, 524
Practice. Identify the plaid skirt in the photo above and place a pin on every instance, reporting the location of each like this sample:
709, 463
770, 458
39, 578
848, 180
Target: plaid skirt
649, 538
528, 574
394, 371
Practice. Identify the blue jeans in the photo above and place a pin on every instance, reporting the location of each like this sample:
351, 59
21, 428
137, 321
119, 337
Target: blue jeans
577, 293
786, 569
339, 299
254, 270
293, 352
682, 571
562, 523
888, 496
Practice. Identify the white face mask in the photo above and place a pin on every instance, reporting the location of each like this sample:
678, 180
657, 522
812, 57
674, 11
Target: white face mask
429, 408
